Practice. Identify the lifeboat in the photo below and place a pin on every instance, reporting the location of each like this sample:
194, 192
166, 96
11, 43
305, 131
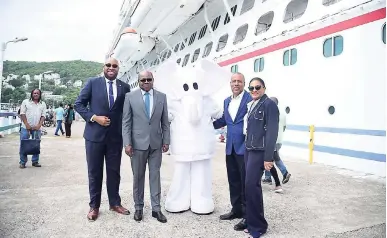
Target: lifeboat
132, 47
155, 17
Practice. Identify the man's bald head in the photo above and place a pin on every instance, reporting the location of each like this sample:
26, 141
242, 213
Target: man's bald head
275, 100
111, 68
145, 80
237, 83
145, 74
112, 61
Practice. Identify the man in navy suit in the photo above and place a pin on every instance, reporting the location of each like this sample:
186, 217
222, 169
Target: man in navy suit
235, 108
100, 103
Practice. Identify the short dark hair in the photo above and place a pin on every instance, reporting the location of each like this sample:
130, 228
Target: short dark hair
40, 94
61, 104
258, 79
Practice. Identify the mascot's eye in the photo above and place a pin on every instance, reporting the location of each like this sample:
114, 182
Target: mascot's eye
195, 85
185, 86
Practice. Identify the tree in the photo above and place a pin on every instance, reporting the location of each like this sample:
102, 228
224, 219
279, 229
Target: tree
6, 95
18, 95
17, 82
58, 91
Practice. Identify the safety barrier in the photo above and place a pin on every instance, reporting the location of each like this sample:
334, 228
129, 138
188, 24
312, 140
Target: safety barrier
9, 123
348, 152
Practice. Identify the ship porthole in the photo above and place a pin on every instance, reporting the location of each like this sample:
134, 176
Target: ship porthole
287, 110
331, 110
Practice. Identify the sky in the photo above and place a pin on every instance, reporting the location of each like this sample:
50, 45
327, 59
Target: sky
58, 30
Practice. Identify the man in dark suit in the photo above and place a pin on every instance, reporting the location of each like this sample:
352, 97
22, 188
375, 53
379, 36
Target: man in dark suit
235, 108
145, 131
100, 103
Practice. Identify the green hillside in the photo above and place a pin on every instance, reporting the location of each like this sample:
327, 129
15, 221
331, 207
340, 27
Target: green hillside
75, 69
68, 70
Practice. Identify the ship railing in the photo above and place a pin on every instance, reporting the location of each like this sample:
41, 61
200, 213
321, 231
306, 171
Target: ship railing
9, 123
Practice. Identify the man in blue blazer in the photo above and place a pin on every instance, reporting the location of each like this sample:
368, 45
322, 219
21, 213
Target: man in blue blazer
100, 103
235, 108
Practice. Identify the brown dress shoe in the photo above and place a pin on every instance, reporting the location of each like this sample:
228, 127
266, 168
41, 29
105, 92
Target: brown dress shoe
93, 214
120, 209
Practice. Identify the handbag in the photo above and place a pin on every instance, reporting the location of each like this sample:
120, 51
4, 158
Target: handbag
30, 146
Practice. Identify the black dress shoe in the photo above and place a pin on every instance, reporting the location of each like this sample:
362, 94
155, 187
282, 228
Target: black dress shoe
230, 216
160, 217
241, 225
36, 164
138, 215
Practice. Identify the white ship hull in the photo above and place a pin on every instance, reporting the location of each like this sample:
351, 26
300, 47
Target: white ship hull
334, 78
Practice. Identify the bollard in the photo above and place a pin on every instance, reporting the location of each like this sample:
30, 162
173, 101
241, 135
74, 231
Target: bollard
311, 143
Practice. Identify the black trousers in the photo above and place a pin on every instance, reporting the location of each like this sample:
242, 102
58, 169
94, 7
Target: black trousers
96, 153
68, 128
255, 218
236, 180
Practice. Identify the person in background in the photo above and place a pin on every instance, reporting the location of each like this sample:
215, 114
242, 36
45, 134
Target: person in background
59, 113
280, 164
69, 118
32, 113
261, 135
235, 108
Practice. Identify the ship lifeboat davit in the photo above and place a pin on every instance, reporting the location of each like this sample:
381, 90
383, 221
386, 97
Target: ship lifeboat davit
132, 46
155, 17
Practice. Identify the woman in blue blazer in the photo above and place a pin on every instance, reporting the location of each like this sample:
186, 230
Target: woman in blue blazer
261, 136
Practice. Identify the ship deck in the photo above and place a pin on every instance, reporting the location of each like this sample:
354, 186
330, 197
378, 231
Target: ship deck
52, 201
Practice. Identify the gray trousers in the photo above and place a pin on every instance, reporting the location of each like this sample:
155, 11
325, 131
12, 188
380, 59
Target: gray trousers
139, 160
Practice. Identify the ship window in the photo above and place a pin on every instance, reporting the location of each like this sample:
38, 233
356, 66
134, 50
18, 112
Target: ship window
222, 42
192, 39
185, 61
169, 54
329, 2
384, 33
234, 69
176, 47
178, 61
182, 46
240, 34
295, 10
259, 64
264, 23
290, 57
215, 23
207, 50
246, 6
195, 55
202, 32
333, 46
227, 18
164, 55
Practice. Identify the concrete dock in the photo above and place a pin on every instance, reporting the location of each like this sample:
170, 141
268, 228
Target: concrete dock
52, 201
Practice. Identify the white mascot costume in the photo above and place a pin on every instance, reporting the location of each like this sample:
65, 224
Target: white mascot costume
191, 110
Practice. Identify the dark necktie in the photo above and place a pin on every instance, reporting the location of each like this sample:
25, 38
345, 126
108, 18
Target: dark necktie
111, 95
147, 104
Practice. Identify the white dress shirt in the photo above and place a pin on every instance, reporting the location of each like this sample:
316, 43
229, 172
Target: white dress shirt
250, 108
114, 85
150, 99
234, 105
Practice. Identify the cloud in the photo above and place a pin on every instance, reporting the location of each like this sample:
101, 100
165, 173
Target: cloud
57, 29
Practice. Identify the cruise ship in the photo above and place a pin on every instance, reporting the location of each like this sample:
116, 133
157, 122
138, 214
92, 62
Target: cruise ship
324, 60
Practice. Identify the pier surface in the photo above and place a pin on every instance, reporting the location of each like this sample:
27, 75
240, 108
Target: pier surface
52, 201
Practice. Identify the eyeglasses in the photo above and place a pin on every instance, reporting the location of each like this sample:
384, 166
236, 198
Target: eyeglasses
111, 65
258, 87
143, 80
